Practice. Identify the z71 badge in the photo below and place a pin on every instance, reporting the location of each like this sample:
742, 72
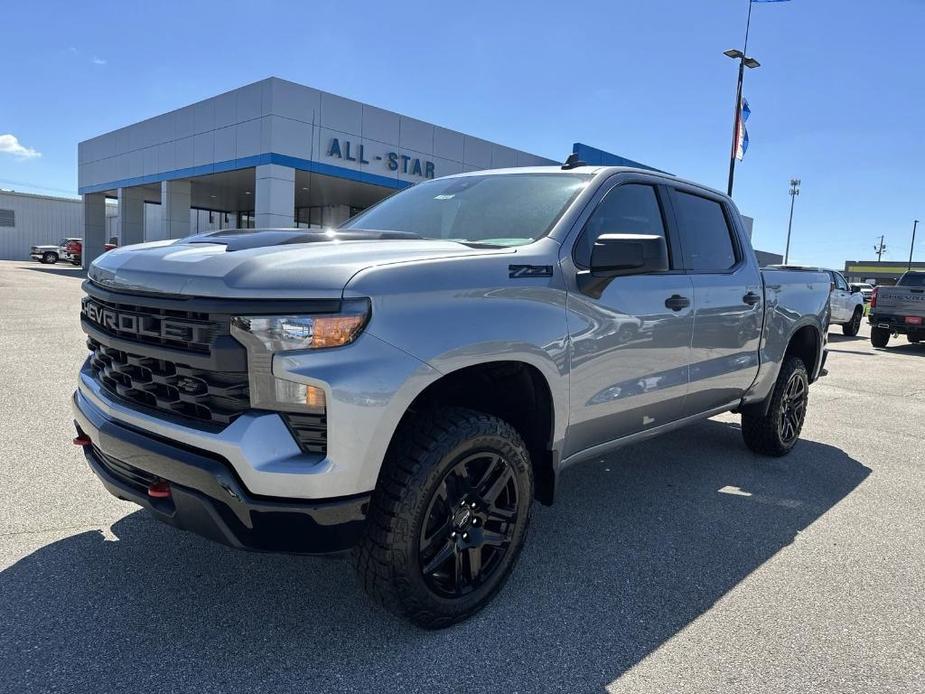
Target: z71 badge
522, 271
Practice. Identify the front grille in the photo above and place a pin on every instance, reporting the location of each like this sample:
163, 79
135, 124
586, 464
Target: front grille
206, 396
191, 331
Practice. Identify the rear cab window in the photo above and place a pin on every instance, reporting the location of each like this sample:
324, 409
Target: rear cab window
706, 237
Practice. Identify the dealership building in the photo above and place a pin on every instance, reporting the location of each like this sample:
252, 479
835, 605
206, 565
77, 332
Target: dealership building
884, 272
271, 154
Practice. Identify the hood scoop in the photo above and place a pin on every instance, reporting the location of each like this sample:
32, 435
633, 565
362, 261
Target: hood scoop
243, 239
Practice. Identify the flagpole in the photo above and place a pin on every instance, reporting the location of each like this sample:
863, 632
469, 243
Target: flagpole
738, 104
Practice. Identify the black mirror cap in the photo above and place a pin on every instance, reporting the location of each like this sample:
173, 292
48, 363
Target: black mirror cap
617, 255
614, 255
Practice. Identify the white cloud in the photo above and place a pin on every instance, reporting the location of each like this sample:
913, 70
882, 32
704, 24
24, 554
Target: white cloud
98, 61
9, 144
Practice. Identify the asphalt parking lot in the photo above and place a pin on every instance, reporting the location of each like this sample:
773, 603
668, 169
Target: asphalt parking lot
682, 564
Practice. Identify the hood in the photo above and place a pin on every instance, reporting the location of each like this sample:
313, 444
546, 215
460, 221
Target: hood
272, 263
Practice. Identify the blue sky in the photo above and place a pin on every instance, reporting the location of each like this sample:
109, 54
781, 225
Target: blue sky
839, 100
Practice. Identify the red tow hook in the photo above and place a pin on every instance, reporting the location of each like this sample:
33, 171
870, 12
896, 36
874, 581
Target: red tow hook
159, 490
82, 440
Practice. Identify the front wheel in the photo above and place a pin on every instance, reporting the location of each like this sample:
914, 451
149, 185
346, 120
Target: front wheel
851, 327
50, 258
776, 431
879, 337
448, 517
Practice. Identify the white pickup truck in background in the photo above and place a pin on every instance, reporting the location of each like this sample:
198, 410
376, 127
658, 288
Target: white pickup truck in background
845, 303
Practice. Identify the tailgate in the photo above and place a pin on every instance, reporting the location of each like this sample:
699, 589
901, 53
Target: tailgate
906, 301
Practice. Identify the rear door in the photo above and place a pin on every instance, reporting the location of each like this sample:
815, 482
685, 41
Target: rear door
630, 346
728, 298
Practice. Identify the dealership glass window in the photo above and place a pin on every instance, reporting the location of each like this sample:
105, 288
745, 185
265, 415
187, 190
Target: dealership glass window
246, 219
705, 235
7, 218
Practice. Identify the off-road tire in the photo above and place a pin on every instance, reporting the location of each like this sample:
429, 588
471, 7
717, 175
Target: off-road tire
851, 327
424, 452
879, 337
762, 430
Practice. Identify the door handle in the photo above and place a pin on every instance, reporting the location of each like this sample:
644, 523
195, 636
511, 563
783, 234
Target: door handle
676, 302
751, 298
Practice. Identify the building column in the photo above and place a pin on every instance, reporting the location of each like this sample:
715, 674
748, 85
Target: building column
94, 227
274, 206
175, 203
131, 225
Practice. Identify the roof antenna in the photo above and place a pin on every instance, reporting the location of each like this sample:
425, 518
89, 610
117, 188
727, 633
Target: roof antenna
572, 162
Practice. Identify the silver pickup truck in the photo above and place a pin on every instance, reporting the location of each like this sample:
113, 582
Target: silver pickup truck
898, 310
407, 385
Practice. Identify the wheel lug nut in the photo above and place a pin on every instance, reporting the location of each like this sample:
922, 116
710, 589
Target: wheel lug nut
453, 534
472, 505
465, 536
475, 521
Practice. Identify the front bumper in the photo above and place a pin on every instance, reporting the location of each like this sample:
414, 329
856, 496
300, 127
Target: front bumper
207, 497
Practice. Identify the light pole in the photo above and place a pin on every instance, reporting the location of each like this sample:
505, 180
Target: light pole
912, 245
744, 62
879, 249
794, 191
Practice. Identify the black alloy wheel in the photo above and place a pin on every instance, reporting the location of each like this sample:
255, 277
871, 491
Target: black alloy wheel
793, 408
469, 524
448, 517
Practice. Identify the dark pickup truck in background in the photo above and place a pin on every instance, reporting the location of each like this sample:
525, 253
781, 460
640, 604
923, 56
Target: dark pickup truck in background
898, 310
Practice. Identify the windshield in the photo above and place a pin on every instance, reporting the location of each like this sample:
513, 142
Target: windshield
498, 209
912, 280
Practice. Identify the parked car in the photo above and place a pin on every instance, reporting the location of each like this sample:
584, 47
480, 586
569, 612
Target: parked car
866, 290
51, 254
405, 386
74, 250
898, 310
847, 304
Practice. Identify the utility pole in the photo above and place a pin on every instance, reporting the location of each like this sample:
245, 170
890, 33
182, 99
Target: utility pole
879, 249
794, 191
912, 245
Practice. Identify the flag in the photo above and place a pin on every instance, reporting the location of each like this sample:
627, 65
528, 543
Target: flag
744, 113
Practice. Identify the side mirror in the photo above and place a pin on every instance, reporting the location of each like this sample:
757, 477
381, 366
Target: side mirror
616, 255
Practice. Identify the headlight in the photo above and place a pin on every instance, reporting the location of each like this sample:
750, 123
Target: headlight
284, 333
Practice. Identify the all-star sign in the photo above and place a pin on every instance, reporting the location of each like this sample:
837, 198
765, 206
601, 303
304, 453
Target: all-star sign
392, 161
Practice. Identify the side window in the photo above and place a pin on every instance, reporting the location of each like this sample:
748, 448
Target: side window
840, 282
705, 234
632, 208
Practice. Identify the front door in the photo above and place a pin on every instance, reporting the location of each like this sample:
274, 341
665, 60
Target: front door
728, 300
630, 347
841, 303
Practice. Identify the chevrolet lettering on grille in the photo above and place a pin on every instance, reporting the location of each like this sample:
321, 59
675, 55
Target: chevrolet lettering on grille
142, 325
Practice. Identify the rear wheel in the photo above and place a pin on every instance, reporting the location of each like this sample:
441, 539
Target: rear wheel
851, 327
50, 258
879, 337
448, 517
776, 431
